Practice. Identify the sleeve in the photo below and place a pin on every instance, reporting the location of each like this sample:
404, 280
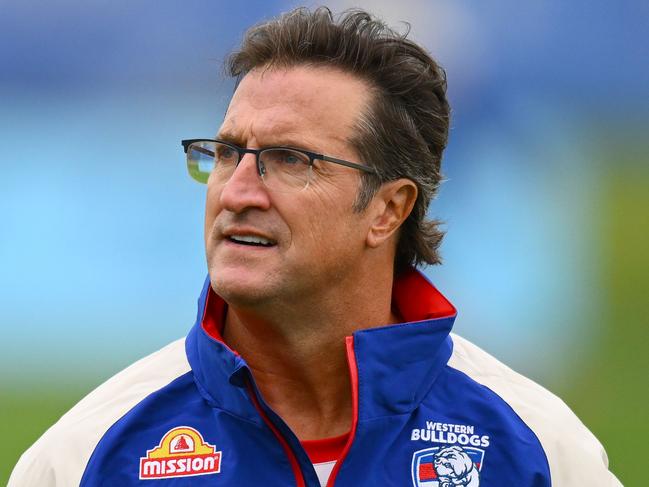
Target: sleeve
59, 457
575, 456
45, 465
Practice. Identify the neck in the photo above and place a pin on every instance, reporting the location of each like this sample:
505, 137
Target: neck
297, 353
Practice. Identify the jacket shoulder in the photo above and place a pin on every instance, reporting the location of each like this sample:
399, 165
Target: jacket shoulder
574, 455
59, 456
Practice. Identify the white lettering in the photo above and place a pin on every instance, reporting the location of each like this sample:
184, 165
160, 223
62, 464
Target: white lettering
450, 434
448, 427
197, 464
151, 468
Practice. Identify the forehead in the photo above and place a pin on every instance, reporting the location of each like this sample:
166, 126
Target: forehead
317, 105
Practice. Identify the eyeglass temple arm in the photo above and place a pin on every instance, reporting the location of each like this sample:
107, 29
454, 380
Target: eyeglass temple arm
186, 143
202, 150
348, 164
205, 151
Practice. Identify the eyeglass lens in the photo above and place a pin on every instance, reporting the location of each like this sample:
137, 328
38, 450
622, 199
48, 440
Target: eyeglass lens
281, 169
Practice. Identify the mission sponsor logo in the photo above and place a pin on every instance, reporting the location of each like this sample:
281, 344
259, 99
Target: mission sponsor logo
182, 452
455, 458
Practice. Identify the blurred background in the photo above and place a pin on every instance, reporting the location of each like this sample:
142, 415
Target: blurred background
546, 201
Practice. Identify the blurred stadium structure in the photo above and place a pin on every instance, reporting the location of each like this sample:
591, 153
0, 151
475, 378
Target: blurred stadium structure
546, 203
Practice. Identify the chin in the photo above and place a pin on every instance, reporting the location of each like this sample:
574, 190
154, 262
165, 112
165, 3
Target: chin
240, 288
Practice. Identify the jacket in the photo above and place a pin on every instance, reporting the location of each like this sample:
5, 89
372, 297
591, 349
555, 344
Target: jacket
430, 410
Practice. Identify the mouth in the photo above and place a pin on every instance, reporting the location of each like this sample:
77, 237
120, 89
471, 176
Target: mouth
251, 240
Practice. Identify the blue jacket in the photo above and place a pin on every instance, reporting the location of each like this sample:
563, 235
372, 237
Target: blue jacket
430, 410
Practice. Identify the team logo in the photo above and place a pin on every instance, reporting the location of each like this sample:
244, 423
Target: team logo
182, 452
448, 466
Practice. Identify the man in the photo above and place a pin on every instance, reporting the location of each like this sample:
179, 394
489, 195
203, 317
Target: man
320, 356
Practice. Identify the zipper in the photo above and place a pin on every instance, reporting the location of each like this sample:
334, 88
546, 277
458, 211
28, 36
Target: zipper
353, 374
295, 465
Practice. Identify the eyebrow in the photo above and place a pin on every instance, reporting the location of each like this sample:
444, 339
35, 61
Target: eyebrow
279, 142
228, 137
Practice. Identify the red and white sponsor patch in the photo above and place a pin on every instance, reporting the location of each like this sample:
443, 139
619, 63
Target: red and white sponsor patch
182, 452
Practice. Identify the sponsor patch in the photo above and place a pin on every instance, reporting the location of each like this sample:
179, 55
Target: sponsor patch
455, 460
182, 452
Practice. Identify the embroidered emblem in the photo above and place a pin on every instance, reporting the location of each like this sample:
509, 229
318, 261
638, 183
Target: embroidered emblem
456, 460
451, 434
448, 466
182, 452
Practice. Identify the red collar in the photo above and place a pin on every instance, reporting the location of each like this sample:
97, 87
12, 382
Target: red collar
414, 298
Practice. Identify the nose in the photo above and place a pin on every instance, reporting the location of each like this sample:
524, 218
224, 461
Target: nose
245, 189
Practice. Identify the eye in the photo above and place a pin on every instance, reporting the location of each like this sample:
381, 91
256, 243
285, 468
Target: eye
225, 154
285, 158
289, 157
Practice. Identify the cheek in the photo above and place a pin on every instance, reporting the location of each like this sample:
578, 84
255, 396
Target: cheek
211, 209
333, 232
333, 201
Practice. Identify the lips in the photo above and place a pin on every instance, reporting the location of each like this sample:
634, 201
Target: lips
253, 240
241, 235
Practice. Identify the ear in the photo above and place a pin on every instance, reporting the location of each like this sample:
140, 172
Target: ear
391, 206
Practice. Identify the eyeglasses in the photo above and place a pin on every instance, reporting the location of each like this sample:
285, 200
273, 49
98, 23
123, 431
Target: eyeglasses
281, 168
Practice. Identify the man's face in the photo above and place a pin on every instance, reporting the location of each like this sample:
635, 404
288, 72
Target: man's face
317, 239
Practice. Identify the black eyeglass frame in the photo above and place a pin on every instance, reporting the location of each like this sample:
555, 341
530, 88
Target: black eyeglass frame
313, 156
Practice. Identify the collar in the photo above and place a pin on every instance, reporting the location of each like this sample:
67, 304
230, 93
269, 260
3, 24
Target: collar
396, 364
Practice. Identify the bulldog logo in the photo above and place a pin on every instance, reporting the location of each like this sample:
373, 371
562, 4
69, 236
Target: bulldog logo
451, 466
455, 467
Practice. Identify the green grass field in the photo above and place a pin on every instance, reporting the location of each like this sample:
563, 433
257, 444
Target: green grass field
26, 414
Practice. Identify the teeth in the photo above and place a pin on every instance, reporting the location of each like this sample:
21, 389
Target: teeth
251, 239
